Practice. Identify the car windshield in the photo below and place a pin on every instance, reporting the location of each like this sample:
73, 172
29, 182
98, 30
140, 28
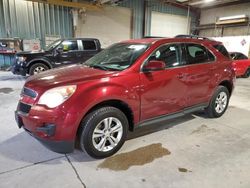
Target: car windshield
117, 57
53, 45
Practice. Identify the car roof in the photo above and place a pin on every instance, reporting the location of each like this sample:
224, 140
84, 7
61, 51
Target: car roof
79, 39
179, 40
235, 53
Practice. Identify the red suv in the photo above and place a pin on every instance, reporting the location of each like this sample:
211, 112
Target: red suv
126, 86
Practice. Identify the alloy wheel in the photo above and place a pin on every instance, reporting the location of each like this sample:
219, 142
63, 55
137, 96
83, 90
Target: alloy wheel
221, 102
107, 134
39, 69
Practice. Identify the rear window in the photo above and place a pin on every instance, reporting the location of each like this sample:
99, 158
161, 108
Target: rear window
222, 50
89, 45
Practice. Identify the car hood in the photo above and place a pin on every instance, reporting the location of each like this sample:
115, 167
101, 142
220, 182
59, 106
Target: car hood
66, 75
30, 53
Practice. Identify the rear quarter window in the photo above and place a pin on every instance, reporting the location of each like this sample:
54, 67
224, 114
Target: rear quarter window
220, 48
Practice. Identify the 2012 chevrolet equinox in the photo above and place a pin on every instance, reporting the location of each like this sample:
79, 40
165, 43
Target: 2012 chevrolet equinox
128, 85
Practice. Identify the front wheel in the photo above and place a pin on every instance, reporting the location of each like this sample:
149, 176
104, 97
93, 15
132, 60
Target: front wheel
218, 103
103, 132
37, 68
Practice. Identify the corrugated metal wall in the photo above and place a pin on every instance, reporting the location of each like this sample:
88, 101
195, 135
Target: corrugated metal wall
137, 7
28, 20
152, 5
19, 18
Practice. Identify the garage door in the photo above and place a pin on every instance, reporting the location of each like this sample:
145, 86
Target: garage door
110, 25
168, 25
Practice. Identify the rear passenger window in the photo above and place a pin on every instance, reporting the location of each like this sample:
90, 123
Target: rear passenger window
198, 54
89, 45
222, 50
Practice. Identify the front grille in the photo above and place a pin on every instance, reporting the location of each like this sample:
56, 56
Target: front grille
24, 108
29, 92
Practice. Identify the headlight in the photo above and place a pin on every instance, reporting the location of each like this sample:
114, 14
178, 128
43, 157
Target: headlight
56, 96
22, 59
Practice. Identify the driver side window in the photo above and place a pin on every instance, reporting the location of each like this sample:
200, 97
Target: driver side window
68, 45
170, 54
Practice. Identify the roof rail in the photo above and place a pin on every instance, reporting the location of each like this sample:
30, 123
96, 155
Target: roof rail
153, 37
192, 37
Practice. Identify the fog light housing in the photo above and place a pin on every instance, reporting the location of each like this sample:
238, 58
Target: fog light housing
48, 129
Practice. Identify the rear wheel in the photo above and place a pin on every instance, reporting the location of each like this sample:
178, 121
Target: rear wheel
219, 102
103, 132
37, 68
247, 73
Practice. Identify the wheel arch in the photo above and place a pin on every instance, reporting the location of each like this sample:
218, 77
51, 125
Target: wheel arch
124, 107
228, 85
43, 61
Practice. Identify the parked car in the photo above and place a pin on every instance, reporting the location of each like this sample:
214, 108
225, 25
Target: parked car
241, 64
59, 53
128, 85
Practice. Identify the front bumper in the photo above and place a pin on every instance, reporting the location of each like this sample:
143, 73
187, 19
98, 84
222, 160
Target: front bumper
18, 69
56, 135
56, 146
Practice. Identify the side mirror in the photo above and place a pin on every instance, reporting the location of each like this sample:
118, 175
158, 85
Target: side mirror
59, 50
154, 65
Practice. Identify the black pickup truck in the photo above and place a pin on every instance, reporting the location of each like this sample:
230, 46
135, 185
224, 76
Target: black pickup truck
60, 52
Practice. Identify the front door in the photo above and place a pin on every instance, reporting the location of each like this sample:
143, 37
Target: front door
68, 50
164, 92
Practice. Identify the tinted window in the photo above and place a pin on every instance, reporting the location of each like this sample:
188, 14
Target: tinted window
68, 45
170, 54
89, 45
241, 56
198, 54
222, 50
233, 55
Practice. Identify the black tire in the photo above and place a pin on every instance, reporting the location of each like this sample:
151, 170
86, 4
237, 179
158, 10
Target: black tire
247, 73
92, 121
211, 110
34, 69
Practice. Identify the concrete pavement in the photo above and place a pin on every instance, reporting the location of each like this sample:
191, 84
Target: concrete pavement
191, 151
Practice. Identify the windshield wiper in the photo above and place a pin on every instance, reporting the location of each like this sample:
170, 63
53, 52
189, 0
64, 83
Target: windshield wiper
102, 67
98, 67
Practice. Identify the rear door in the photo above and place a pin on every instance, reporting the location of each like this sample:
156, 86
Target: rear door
200, 73
164, 92
90, 48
